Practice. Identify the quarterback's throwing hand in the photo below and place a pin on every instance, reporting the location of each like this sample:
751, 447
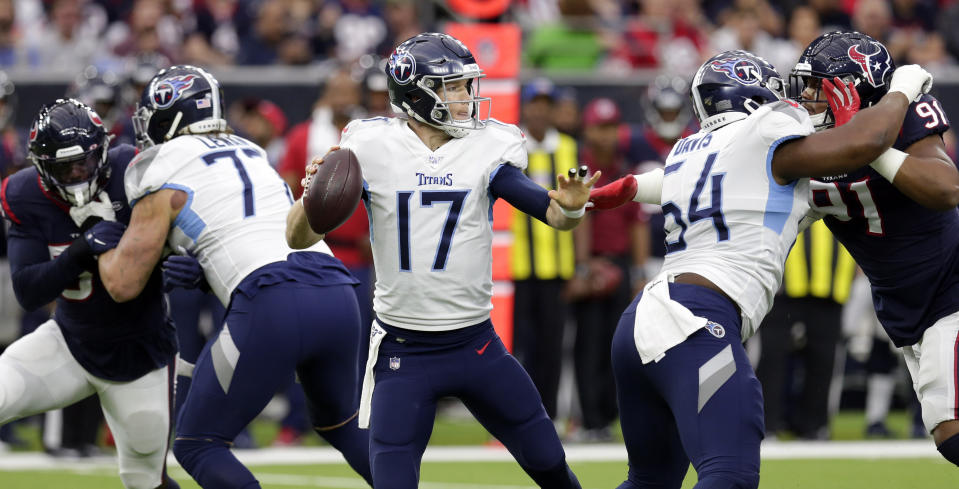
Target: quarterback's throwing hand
843, 99
572, 191
311, 169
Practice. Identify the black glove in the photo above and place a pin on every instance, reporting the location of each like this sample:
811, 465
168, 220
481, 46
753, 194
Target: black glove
183, 271
98, 239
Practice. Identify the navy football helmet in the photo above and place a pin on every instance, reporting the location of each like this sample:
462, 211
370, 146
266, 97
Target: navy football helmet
418, 71
851, 56
731, 85
666, 106
179, 100
68, 146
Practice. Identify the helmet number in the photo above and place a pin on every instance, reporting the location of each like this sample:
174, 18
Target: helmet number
455, 198
234, 155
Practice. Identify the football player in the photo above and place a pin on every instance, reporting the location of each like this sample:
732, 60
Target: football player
211, 194
898, 219
733, 195
430, 182
64, 211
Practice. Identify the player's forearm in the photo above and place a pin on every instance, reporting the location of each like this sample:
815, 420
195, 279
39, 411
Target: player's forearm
36, 279
558, 220
124, 275
930, 182
875, 129
298, 232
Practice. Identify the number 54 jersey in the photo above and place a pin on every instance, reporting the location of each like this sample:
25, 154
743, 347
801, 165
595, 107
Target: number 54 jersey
726, 218
909, 253
431, 219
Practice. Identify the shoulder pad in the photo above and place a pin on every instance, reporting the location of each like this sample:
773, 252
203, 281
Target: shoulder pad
15, 193
136, 171
357, 125
782, 119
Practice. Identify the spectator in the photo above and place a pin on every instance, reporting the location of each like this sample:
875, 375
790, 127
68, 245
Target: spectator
610, 246
337, 105
572, 43
214, 36
71, 37
403, 21
566, 115
273, 39
359, 29
262, 122
151, 28
659, 38
874, 18
541, 257
831, 15
12, 49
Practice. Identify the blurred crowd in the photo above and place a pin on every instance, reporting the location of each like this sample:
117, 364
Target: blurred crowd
568, 35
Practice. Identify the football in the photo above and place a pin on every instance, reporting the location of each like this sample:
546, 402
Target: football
334, 192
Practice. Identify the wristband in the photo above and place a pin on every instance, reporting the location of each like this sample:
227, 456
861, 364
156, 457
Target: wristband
888, 163
574, 214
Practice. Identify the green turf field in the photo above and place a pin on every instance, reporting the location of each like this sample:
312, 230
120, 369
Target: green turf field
778, 474
886, 473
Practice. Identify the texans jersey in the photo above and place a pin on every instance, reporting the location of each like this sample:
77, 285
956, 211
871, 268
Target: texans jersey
113, 341
908, 252
234, 219
431, 219
726, 217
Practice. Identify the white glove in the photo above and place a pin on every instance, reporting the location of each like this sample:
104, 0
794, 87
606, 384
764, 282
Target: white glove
101, 207
911, 80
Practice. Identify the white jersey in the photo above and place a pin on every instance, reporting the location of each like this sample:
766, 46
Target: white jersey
235, 216
431, 219
726, 217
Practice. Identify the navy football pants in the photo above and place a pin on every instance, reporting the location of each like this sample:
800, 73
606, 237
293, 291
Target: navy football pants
474, 366
660, 402
286, 327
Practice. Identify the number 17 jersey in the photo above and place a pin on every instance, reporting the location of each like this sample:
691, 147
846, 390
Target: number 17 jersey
431, 219
726, 218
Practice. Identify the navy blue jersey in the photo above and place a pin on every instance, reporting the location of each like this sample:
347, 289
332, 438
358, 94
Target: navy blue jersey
908, 252
118, 342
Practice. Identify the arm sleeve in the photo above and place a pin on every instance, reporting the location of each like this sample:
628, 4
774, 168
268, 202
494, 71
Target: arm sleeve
509, 182
37, 280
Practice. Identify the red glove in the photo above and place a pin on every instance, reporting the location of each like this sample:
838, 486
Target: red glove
613, 195
843, 99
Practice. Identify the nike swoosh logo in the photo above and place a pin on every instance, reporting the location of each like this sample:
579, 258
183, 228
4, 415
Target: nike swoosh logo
483, 350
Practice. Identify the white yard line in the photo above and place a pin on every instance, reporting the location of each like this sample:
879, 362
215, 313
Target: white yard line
574, 453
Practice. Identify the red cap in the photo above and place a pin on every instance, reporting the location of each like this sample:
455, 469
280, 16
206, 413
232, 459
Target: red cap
601, 111
274, 114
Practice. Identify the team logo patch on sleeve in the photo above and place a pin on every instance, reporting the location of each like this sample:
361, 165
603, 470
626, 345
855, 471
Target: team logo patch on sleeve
167, 91
715, 329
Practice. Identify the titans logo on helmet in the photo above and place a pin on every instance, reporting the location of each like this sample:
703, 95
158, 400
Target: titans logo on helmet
402, 67
166, 91
874, 69
741, 70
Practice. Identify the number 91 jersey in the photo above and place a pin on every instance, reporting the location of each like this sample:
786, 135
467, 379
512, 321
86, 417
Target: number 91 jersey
431, 219
726, 218
908, 252
234, 219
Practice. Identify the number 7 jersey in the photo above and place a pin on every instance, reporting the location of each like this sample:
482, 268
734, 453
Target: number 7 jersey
726, 218
431, 219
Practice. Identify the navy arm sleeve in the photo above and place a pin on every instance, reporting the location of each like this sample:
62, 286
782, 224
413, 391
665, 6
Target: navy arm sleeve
37, 280
512, 185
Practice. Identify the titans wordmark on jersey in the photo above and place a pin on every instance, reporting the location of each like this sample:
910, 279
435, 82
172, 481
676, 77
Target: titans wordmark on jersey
431, 219
726, 217
235, 216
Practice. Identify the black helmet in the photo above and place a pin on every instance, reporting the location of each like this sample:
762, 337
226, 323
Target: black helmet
418, 71
851, 56
68, 146
179, 100
731, 85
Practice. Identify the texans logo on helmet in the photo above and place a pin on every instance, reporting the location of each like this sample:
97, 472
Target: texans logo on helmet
167, 91
94, 118
402, 67
33, 132
879, 66
741, 70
